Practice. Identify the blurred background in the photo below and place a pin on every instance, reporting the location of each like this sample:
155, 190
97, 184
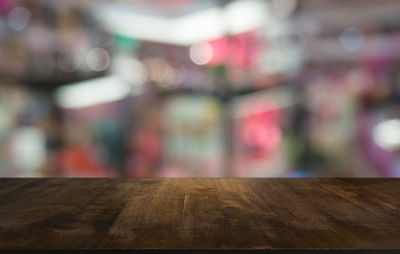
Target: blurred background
200, 88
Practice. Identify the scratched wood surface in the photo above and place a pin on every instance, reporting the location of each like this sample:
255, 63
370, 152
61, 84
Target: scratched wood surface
199, 213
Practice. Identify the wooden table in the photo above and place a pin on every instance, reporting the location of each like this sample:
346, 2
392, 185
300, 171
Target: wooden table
200, 215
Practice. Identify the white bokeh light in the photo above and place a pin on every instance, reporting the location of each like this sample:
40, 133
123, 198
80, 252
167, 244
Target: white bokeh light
387, 134
98, 59
201, 53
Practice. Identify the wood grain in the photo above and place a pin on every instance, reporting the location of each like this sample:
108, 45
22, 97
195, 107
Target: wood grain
200, 213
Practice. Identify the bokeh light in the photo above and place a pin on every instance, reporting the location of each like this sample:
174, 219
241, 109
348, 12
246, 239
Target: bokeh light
201, 53
19, 18
387, 134
352, 39
98, 59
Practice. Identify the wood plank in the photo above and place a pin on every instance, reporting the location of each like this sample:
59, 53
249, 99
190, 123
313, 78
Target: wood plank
200, 214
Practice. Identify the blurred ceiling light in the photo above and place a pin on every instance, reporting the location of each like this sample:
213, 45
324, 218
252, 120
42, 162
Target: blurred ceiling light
98, 59
18, 18
352, 39
125, 22
246, 15
92, 92
387, 134
199, 26
201, 53
237, 17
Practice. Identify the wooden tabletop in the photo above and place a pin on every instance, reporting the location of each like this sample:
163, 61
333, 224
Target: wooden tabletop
200, 214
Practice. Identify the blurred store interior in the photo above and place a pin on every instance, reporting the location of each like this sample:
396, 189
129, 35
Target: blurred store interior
200, 88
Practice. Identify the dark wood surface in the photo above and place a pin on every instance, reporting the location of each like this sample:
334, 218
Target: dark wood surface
201, 213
